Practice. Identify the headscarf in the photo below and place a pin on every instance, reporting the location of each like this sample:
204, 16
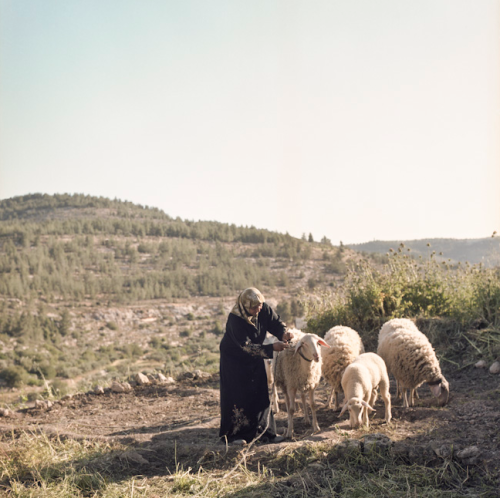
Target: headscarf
247, 299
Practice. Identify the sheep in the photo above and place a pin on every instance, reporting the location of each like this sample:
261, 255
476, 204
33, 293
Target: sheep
298, 369
410, 357
360, 382
387, 328
345, 345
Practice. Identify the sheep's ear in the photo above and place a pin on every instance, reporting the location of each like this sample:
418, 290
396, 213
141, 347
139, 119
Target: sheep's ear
321, 342
344, 408
298, 346
436, 390
365, 404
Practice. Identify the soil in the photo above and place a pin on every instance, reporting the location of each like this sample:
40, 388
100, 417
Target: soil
162, 426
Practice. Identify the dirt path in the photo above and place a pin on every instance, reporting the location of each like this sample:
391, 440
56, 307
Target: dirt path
167, 424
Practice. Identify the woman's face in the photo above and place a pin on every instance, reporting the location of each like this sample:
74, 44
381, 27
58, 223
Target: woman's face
254, 310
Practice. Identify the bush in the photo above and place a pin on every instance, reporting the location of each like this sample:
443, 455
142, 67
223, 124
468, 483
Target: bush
409, 288
14, 376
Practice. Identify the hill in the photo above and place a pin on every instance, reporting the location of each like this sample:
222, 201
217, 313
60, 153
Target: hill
92, 287
474, 251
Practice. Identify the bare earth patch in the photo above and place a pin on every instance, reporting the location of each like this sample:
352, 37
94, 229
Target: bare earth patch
163, 426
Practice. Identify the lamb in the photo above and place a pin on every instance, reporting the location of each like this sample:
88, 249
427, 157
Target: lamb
298, 369
410, 357
360, 382
345, 345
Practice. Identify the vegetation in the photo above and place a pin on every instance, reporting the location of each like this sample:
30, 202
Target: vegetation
37, 466
74, 247
466, 298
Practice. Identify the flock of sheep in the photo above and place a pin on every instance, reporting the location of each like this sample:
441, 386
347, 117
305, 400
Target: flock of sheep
340, 358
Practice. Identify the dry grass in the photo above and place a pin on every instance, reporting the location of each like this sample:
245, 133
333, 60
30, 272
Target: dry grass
33, 465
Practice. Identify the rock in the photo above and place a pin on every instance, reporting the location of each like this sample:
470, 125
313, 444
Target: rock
67, 397
495, 368
98, 390
43, 404
469, 456
152, 379
161, 378
116, 387
127, 387
133, 456
4, 412
142, 379
198, 374
376, 443
443, 451
480, 364
170, 380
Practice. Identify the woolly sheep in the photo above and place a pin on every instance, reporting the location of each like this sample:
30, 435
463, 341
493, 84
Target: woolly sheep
410, 357
360, 382
387, 328
298, 369
345, 345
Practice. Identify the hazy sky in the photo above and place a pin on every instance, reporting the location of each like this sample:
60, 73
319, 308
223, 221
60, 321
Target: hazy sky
353, 119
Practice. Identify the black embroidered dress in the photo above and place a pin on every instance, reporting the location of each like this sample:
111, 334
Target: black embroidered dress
244, 396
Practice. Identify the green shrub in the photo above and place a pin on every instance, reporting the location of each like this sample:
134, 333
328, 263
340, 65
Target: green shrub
14, 376
406, 287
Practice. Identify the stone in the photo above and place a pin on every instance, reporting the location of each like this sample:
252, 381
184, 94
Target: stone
443, 451
376, 443
127, 387
116, 387
142, 379
469, 456
480, 364
98, 390
133, 456
4, 412
495, 368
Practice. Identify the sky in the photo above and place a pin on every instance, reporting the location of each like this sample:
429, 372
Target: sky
355, 120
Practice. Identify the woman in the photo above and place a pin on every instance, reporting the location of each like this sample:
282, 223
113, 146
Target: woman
244, 396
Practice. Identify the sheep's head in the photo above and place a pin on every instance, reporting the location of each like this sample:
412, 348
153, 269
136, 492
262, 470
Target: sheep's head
309, 346
355, 407
441, 389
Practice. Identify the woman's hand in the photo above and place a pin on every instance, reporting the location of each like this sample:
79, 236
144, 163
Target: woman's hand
280, 346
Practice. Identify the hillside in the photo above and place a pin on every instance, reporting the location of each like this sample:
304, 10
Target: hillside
485, 250
98, 288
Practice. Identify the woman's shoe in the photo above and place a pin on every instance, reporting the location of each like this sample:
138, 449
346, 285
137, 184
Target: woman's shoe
277, 439
239, 442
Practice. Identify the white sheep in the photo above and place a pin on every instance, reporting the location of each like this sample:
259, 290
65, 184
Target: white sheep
387, 328
298, 369
345, 345
360, 382
410, 357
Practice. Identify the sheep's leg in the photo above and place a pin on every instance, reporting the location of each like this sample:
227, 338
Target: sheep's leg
315, 425
373, 398
366, 420
274, 399
330, 399
405, 399
412, 397
304, 408
290, 399
386, 397
336, 406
